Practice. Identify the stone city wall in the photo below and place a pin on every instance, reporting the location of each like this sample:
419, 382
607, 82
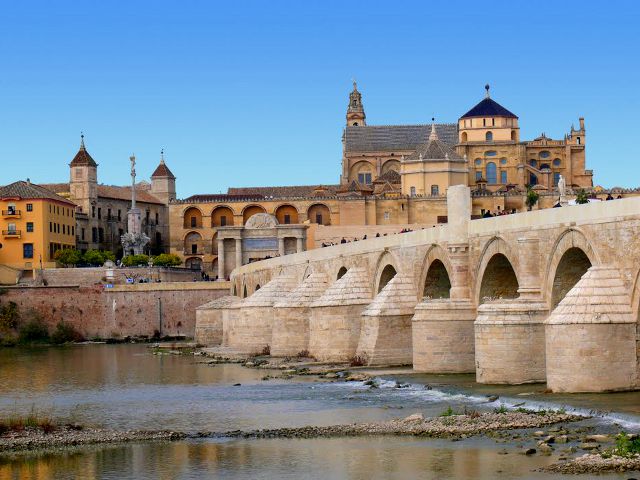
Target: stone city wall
124, 310
85, 277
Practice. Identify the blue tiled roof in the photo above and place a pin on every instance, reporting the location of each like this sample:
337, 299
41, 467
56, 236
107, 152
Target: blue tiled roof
488, 108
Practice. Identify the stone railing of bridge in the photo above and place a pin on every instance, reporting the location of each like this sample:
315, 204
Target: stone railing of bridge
550, 295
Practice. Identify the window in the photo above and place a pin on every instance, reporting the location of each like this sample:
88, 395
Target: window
27, 250
64, 229
533, 163
478, 175
119, 215
533, 180
73, 230
491, 173
556, 162
319, 219
490, 153
11, 227
413, 191
157, 218
287, 219
99, 213
545, 154
544, 165
12, 209
223, 220
489, 137
503, 161
355, 124
147, 217
94, 235
387, 215
578, 139
193, 222
484, 122
101, 234
478, 161
556, 178
50, 227
108, 214
82, 234
93, 212
435, 190
503, 176
194, 248
29, 207
493, 122
364, 178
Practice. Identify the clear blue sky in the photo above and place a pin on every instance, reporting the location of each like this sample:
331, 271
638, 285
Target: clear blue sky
251, 93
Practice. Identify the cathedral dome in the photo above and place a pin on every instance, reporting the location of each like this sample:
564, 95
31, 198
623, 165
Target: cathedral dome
488, 108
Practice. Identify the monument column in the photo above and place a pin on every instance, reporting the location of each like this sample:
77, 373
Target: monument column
281, 246
221, 259
238, 252
299, 244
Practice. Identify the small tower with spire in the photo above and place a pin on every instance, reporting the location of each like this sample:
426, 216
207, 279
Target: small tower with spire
163, 182
355, 112
83, 178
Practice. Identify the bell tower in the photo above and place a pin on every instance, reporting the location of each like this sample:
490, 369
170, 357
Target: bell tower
355, 111
83, 180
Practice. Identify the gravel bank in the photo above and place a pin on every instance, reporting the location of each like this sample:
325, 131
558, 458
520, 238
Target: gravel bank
451, 426
595, 463
34, 439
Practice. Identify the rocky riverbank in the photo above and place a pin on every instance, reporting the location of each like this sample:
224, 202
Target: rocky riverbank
37, 439
595, 463
449, 426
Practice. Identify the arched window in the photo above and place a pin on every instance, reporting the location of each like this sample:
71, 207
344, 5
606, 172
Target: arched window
463, 138
489, 137
355, 124
492, 175
556, 162
513, 135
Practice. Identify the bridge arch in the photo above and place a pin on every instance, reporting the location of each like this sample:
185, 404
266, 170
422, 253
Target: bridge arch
244, 291
572, 255
435, 275
341, 271
496, 275
386, 269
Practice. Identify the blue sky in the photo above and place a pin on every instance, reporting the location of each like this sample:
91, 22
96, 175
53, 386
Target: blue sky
254, 93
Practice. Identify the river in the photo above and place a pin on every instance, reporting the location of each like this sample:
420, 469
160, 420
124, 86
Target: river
127, 387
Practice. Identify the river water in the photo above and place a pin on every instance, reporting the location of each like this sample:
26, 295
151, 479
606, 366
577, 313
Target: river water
126, 387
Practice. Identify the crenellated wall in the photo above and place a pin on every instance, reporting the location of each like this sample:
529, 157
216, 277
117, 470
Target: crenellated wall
485, 292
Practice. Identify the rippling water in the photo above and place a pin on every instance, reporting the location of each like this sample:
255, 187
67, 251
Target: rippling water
125, 386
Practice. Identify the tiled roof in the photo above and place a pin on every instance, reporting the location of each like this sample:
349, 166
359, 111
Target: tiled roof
29, 190
355, 187
488, 108
83, 158
390, 138
110, 191
390, 176
434, 150
211, 198
162, 171
276, 192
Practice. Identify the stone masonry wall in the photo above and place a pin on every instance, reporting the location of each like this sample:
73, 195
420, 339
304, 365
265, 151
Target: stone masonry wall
121, 311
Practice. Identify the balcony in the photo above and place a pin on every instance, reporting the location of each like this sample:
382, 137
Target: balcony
12, 233
11, 213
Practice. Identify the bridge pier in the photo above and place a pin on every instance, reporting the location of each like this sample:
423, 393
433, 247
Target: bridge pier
385, 337
291, 317
334, 324
251, 330
509, 342
591, 336
211, 318
443, 336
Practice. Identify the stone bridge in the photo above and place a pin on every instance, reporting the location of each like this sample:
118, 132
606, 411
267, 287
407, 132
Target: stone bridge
550, 295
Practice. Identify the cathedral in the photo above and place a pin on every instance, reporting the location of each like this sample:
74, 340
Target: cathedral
392, 177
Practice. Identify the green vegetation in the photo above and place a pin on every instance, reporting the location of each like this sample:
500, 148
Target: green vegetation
532, 198
68, 256
9, 317
135, 260
501, 409
167, 260
98, 257
65, 333
449, 412
33, 420
581, 197
34, 330
626, 446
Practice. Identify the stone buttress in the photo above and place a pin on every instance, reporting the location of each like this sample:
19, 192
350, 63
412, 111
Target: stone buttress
334, 325
591, 336
251, 331
211, 317
385, 336
291, 316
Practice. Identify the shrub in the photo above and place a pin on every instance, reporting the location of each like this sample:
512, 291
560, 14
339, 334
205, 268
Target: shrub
9, 316
532, 198
581, 197
626, 446
135, 260
449, 412
501, 409
266, 350
98, 257
33, 330
167, 260
303, 354
64, 333
358, 361
68, 256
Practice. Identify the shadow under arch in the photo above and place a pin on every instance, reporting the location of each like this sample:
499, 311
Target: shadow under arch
436, 277
572, 255
341, 272
386, 269
496, 275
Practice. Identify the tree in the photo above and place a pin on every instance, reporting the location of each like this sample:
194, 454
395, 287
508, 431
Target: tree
135, 260
94, 257
68, 256
532, 198
581, 197
167, 260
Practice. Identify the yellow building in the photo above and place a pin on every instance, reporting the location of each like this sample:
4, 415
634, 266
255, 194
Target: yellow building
35, 224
